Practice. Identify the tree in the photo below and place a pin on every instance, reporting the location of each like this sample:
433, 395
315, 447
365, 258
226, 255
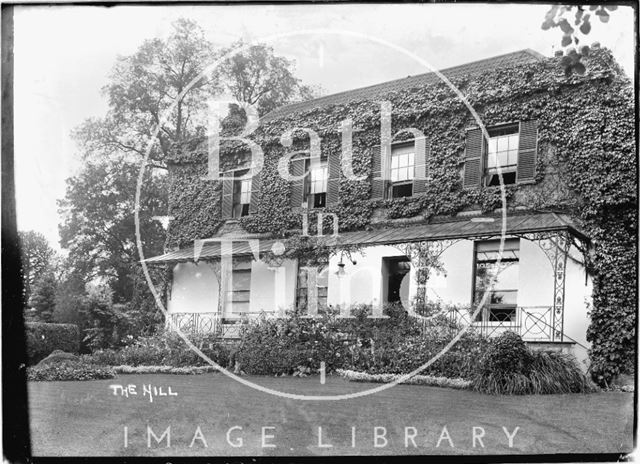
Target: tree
148, 90
98, 222
259, 77
560, 16
36, 255
142, 89
68, 299
43, 296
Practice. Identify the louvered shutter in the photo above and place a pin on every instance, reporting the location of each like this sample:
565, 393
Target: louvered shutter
378, 185
473, 158
256, 183
333, 183
527, 149
297, 169
227, 197
421, 157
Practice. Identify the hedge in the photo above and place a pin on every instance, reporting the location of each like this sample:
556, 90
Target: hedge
43, 338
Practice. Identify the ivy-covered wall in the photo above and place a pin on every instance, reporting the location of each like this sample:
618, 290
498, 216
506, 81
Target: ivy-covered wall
586, 166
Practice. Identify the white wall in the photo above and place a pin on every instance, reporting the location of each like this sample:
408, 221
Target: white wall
577, 300
194, 289
363, 283
271, 289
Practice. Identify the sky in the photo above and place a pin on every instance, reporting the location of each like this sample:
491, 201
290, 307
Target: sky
63, 56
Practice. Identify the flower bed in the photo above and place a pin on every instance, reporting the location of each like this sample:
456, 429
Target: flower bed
187, 370
430, 380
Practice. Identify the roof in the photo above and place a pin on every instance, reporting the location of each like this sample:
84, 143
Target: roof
376, 91
466, 228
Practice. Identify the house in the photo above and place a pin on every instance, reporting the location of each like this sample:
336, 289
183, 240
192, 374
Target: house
429, 197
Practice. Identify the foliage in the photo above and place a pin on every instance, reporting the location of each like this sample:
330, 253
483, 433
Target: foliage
586, 127
145, 90
430, 380
164, 349
396, 345
43, 296
255, 75
188, 370
276, 346
69, 371
507, 354
413, 352
43, 338
509, 367
36, 255
58, 356
98, 226
560, 16
69, 294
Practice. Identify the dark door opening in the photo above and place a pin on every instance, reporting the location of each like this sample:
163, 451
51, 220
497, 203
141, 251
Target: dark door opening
396, 286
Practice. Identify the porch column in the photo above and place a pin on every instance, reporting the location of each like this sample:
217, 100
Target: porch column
556, 247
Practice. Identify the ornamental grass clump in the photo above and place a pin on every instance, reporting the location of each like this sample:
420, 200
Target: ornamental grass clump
509, 367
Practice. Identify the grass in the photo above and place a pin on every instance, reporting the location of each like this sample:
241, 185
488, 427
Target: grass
85, 418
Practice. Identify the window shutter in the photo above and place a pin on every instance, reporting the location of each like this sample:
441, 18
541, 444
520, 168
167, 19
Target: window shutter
527, 149
473, 158
297, 169
227, 197
333, 183
421, 157
256, 183
378, 185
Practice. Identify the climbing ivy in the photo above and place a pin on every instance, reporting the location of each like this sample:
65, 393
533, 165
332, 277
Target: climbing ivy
586, 167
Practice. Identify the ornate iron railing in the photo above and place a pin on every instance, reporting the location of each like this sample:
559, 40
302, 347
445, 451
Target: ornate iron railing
213, 322
532, 323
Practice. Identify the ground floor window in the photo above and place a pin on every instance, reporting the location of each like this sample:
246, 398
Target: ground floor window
238, 295
502, 300
322, 284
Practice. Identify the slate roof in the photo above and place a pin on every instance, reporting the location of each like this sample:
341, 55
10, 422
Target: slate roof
378, 90
461, 228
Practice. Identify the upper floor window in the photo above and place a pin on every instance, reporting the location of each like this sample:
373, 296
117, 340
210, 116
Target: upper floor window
402, 171
241, 194
502, 152
315, 188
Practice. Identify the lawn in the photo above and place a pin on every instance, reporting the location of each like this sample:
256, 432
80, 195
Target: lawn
86, 418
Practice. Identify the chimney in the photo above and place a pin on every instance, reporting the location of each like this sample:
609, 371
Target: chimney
595, 45
558, 53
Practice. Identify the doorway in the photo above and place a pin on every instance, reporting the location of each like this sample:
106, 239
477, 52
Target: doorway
395, 272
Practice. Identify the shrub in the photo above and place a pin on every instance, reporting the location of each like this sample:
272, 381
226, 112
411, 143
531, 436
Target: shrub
58, 356
398, 344
510, 368
507, 353
44, 338
413, 352
292, 344
69, 370
166, 348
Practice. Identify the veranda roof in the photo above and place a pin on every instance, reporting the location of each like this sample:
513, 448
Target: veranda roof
460, 228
